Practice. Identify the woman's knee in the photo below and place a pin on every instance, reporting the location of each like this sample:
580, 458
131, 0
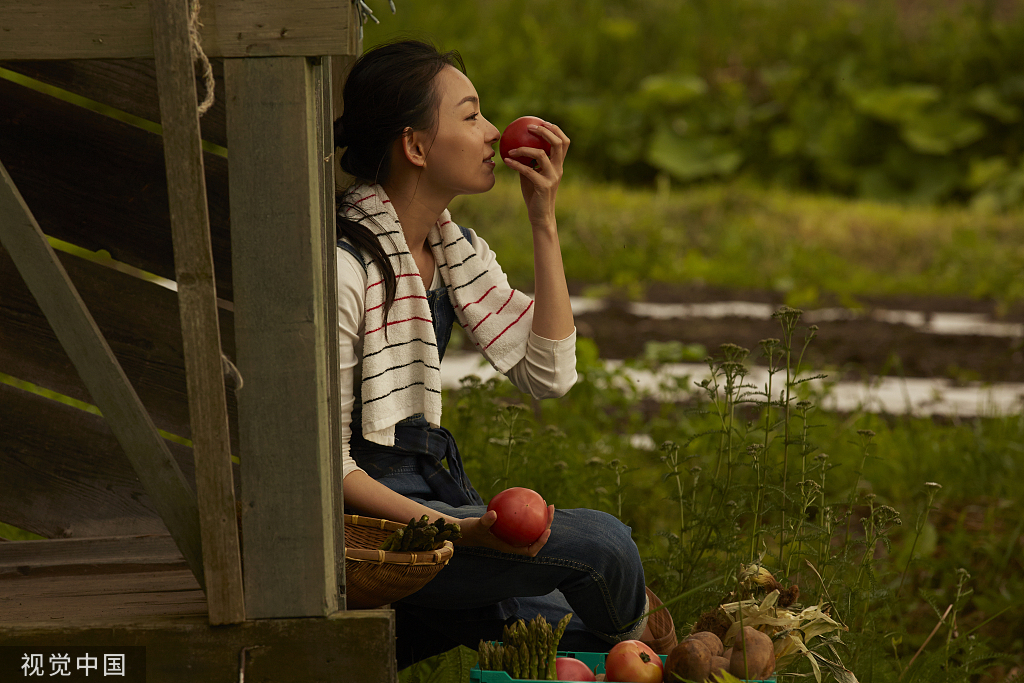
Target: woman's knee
596, 533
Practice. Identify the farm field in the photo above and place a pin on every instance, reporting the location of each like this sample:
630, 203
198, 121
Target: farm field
889, 518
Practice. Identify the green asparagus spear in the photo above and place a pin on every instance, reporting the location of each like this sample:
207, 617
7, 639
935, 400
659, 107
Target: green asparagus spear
516, 662
481, 653
394, 540
534, 657
562, 625
552, 650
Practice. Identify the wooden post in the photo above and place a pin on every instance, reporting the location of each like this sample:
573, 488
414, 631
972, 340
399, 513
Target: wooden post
102, 375
323, 82
197, 299
282, 335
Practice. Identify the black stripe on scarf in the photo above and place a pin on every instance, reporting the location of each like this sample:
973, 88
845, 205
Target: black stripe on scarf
408, 386
391, 346
399, 367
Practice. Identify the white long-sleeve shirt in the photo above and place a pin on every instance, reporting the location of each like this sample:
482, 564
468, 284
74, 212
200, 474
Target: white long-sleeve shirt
548, 370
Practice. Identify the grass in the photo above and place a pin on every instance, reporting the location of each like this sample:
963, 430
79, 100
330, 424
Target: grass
896, 525
810, 248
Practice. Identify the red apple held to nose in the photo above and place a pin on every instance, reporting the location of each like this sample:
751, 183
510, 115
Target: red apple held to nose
517, 135
633, 661
572, 669
522, 516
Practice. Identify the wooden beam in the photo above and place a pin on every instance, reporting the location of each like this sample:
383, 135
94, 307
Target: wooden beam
323, 86
141, 322
197, 296
75, 481
66, 555
128, 85
346, 646
77, 29
108, 593
281, 336
99, 369
100, 183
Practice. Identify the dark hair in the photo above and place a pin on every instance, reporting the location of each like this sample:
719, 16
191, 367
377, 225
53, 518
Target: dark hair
390, 89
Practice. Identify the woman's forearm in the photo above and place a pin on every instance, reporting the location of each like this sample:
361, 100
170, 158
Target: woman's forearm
369, 497
552, 316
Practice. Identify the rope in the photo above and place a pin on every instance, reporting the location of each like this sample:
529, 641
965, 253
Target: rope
199, 55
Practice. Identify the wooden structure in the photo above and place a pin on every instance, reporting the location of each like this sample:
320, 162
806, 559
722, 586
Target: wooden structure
142, 538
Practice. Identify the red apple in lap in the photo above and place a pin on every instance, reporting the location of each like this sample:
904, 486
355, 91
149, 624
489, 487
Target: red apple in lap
634, 662
522, 516
572, 669
517, 135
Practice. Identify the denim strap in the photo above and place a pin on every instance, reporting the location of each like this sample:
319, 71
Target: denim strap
432, 445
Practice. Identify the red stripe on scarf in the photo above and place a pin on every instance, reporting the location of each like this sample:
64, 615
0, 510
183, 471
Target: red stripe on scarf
510, 295
369, 287
480, 323
401, 298
493, 287
510, 325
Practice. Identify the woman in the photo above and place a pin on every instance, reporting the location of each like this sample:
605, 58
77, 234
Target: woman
414, 138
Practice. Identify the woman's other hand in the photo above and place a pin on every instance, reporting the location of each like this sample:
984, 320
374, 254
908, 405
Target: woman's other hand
476, 531
540, 184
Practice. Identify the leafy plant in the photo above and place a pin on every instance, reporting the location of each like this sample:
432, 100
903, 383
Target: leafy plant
756, 476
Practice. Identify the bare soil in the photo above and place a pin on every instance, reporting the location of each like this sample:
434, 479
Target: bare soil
853, 348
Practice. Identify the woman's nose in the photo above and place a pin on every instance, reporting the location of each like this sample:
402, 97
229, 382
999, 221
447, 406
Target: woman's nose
495, 134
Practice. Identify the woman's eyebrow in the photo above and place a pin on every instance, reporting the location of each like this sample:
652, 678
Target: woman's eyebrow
469, 98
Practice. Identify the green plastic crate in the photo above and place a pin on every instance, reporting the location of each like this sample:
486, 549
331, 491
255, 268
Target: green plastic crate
595, 660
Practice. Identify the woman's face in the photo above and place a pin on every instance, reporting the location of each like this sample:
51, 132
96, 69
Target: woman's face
460, 156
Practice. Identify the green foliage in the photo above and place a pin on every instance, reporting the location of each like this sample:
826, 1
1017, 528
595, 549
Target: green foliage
907, 101
452, 666
845, 506
736, 236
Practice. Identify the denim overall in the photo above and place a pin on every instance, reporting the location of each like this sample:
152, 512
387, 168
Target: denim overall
590, 565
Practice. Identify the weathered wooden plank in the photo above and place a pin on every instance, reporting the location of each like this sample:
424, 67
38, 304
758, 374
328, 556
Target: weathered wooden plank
197, 297
281, 337
104, 595
99, 183
64, 554
74, 29
99, 369
73, 481
125, 84
140, 321
347, 646
323, 85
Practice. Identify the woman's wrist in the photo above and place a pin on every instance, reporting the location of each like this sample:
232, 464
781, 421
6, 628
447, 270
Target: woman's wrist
544, 226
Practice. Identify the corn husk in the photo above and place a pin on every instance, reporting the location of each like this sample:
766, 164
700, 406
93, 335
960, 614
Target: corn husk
793, 630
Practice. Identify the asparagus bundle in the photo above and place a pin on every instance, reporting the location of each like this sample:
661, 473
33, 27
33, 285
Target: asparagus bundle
422, 535
527, 649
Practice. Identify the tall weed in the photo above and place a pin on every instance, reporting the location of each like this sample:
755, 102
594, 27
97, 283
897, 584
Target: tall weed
925, 577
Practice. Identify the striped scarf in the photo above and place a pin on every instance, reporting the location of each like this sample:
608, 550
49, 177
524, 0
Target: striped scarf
401, 372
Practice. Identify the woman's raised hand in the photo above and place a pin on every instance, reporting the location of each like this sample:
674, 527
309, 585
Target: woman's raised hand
476, 531
540, 184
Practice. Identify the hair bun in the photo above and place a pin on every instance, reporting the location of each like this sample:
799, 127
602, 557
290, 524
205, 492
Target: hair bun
340, 137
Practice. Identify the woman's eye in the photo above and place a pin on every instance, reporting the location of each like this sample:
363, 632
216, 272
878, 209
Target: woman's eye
473, 117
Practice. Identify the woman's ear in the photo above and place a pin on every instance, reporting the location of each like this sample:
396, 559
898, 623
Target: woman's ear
414, 147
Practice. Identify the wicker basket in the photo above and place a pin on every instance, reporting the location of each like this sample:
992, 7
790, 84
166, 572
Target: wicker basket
376, 577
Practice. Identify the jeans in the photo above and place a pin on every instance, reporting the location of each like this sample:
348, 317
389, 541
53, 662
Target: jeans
589, 566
